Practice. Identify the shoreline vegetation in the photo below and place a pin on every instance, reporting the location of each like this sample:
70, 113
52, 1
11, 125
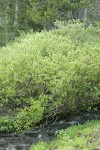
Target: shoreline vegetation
49, 74
78, 137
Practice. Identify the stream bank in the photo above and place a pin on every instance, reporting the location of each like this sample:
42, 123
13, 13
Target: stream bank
24, 140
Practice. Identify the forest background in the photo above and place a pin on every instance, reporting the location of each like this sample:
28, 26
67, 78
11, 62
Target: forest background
17, 16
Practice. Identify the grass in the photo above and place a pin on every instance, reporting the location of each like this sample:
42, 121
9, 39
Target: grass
79, 137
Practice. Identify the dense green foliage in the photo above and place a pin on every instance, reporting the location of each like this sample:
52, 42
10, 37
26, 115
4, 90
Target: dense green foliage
81, 137
46, 74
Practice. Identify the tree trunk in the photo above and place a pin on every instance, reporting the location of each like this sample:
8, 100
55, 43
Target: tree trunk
6, 22
16, 16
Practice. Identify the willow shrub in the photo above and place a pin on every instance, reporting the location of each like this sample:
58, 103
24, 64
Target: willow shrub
50, 73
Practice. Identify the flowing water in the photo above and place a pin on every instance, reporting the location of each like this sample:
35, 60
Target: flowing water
25, 140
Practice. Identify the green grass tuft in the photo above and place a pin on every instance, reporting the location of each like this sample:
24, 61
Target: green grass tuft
80, 137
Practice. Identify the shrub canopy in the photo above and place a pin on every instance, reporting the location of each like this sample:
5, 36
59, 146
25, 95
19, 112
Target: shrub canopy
50, 73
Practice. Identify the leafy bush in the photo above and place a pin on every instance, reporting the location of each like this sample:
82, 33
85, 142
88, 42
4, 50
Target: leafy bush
58, 70
28, 116
6, 124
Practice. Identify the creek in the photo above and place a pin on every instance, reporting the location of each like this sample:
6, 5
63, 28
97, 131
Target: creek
24, 140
